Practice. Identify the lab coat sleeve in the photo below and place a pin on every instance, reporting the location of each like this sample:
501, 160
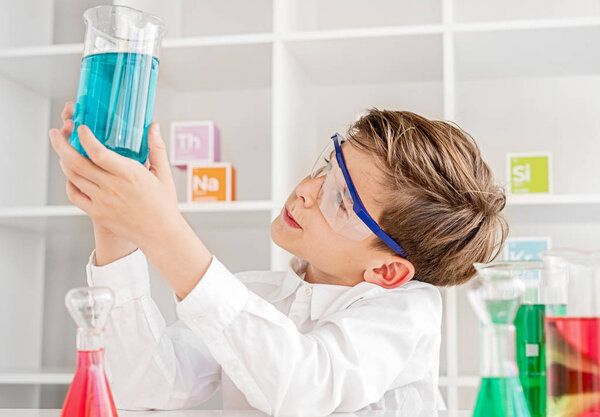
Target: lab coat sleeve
341, 366
152, 366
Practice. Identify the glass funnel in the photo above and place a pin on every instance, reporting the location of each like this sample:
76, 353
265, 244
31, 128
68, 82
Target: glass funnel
495, 296
573, 334
117, 80
89, 394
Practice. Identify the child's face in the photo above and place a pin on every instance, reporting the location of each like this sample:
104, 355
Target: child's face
338, 259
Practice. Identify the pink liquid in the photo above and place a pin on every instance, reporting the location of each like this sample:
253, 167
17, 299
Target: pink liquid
573, 366
89, 394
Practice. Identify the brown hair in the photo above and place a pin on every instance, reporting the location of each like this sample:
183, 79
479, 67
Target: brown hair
443, 206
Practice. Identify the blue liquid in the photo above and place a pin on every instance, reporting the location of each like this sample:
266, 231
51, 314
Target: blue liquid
115, 99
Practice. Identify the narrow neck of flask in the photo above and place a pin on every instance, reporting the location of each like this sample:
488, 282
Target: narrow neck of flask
90, 339
95, 358
498, 357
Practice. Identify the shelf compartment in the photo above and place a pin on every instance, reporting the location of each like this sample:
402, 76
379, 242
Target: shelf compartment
370, 60
517, 53
299, 15
208, 17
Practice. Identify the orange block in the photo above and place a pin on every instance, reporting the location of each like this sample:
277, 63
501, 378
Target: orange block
211, 182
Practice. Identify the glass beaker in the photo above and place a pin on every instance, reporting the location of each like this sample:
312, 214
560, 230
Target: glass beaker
573, 334
89, 394
495, 296
117, 81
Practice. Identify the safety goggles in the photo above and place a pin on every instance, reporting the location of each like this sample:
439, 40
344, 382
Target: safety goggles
339, 202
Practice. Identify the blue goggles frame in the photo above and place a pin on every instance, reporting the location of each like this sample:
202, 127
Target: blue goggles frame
357, 205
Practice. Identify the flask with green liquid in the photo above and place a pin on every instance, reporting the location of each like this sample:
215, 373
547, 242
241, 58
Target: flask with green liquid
495, 296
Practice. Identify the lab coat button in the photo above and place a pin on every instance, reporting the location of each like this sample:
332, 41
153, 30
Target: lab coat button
308, 291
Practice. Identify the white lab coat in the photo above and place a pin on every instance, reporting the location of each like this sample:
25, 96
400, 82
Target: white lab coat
272, 342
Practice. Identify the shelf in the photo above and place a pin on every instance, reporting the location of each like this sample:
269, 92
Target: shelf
552, 199
46, 376
511, 25
361, 33
461, 381
65, 377
70, 210
53, 71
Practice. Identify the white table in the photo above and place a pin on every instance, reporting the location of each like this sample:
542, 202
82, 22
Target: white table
231, 413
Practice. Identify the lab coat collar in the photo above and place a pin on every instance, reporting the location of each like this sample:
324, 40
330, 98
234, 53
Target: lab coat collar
329, 298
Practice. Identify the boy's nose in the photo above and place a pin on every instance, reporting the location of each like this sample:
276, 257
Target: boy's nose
308, 190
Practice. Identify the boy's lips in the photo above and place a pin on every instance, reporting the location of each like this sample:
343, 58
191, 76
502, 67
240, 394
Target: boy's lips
287, 217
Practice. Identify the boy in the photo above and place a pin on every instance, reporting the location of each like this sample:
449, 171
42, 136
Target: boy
404, 205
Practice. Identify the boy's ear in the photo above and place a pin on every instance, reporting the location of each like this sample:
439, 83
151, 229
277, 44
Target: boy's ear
393, 273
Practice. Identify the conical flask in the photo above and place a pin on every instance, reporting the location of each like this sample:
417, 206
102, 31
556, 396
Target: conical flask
495, 296
89, 394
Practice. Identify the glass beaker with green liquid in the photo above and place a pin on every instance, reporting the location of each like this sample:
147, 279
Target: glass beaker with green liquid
495, 296
529, 325
117, 81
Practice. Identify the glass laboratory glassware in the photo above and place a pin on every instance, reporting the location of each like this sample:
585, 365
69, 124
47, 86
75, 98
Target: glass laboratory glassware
117, 80
530, 335
573, 334
495, 296
89, 394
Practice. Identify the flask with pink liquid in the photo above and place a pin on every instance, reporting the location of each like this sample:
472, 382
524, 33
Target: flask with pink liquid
89, 394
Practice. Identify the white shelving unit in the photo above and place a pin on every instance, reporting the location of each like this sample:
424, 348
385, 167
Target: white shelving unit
279, 77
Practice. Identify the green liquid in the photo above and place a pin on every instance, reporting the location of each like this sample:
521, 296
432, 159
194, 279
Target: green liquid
501, 397
531, 356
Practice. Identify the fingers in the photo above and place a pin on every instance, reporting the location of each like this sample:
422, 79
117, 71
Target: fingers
106, 159
157, 154
67, 118
73, 160
77, 197
68, 111
67, 128
86, 186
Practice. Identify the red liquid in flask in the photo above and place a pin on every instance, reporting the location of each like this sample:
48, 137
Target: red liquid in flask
89, 394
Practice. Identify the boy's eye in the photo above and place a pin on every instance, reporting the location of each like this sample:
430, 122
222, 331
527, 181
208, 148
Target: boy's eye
347, 195
341, 203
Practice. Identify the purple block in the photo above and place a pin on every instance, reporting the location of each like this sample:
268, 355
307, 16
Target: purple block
194, 142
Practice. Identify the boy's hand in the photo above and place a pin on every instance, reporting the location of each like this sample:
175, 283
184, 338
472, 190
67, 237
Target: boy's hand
119, 194
109, 247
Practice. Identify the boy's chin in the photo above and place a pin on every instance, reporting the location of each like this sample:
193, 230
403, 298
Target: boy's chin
278, 236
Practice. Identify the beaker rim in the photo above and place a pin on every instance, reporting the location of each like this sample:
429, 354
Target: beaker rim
509, 266
572, 256
153, 19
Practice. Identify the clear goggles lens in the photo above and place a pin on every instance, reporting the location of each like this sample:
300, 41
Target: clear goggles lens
334, 198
